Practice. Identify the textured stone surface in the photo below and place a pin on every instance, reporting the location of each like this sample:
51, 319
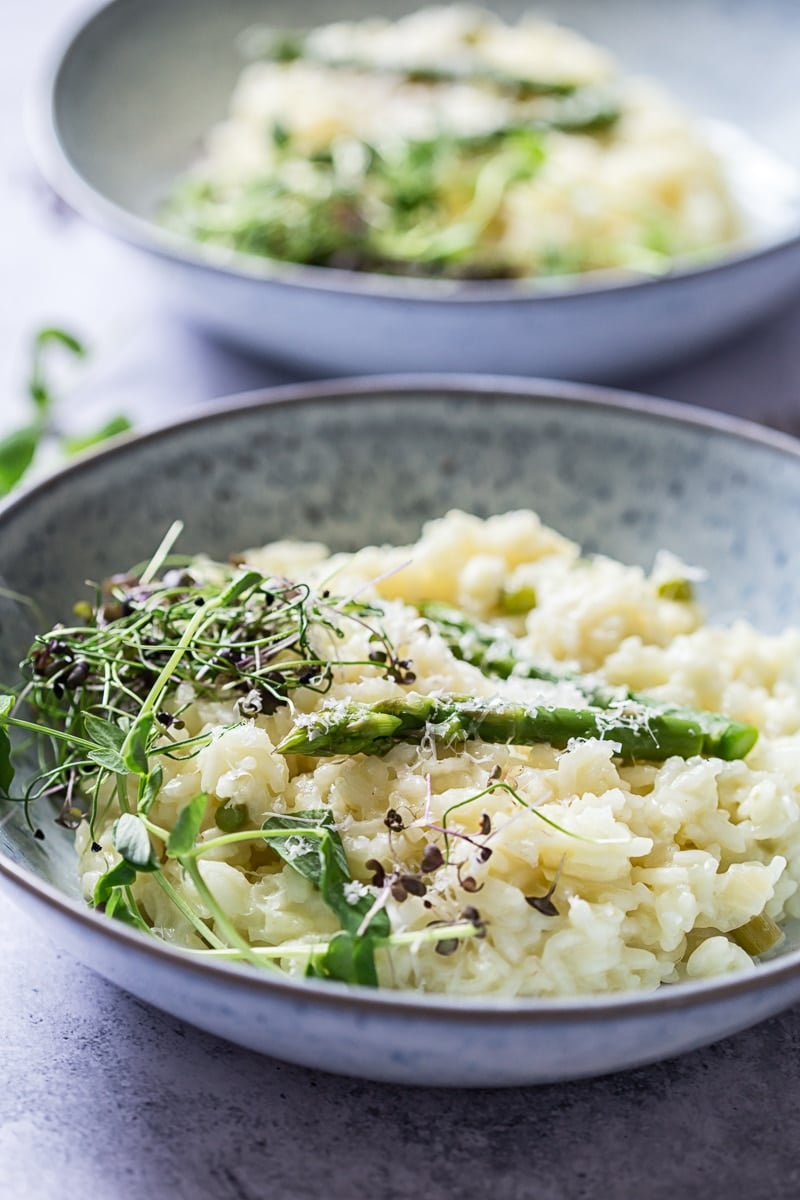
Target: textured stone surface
105, 1097
101, 1096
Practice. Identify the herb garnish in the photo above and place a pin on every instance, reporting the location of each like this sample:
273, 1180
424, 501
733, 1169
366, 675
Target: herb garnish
100, 697
18, 448
310, 843
103, 689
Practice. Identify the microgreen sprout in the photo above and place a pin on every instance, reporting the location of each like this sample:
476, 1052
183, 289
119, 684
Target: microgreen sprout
99, 696
544, 904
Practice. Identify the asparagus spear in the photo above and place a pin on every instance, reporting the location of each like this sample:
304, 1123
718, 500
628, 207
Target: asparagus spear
495, 655
347, 727
576, 108
757, 935
291, 45
585, 112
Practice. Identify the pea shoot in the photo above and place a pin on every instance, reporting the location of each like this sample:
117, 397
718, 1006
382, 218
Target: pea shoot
99, 696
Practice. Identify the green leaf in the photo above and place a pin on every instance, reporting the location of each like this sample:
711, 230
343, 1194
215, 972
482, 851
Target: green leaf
134, 749
39, 395
297, 838
6, 765
132, 841
109, 759
117, 876
16, 455
61, 336
349, 959
311, 845
105, 733
38, 390
117, 907
183, 834
302, 853
149, 787
109, 738
112, 428
334, 876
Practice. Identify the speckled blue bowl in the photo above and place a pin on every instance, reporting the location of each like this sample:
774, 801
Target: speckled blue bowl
367, 461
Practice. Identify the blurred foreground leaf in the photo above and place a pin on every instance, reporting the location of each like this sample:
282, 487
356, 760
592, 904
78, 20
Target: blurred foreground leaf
18, 449
16, 455
113, 427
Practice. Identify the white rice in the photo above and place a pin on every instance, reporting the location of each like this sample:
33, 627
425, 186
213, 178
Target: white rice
668, 859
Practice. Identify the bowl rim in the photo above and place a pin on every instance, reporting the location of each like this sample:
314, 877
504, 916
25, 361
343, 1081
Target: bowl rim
72, 186
409, 1004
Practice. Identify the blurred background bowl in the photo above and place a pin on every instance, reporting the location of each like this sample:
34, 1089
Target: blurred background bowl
133, 92
367, 461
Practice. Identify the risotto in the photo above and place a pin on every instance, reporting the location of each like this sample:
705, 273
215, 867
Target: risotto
450, 143
479, 765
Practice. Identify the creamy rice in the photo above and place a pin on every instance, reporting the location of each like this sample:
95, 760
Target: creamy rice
635, 195
652, 865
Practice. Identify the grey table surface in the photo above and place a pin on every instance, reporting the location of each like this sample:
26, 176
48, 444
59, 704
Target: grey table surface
102, 1096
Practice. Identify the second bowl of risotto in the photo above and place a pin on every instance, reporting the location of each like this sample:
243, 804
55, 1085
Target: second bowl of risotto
436, 189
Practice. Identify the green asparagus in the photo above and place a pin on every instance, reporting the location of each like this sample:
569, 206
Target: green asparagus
585, 112
347, 727
495, 654
568, 106
293, 45
758, 935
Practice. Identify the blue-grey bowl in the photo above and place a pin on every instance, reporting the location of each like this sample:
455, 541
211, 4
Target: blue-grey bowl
369, 461
130, 95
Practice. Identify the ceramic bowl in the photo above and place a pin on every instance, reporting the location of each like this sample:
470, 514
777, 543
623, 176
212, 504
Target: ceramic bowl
126, 105
370, 461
